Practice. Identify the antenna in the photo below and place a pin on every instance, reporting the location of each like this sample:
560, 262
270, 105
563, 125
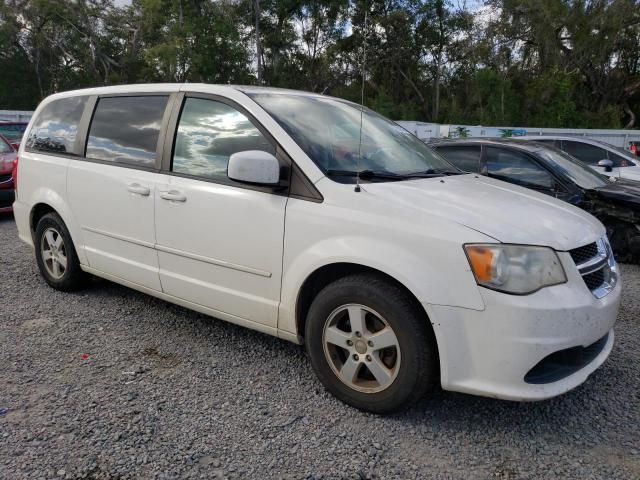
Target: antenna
364, 62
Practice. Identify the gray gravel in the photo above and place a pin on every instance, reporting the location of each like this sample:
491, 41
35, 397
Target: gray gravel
169, 393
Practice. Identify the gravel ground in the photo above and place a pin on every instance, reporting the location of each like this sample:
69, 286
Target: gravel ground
169, 393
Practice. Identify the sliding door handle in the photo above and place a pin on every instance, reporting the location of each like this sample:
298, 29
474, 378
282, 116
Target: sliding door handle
138, 189
173, 196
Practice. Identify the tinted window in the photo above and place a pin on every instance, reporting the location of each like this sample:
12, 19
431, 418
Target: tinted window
209, 132
13, 131
465, 158
126, 129
56, 127
516, 167
584, 152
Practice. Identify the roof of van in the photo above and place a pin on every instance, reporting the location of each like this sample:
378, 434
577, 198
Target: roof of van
176, 87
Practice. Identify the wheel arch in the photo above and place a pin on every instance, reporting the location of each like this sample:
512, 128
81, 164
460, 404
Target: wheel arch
328, 273
38, 211
50, 202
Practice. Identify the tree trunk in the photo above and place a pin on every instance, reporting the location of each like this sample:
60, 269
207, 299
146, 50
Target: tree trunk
425, 105
632, 116
436, 88
258, 44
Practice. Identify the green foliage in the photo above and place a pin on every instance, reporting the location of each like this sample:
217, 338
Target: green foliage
552, 63
460, 132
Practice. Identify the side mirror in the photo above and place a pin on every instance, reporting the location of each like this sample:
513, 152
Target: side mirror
254, 166
607, 164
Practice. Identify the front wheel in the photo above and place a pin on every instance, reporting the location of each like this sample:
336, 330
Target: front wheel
625, 242
370, 344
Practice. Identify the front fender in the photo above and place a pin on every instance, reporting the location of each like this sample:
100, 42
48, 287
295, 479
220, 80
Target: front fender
440, 276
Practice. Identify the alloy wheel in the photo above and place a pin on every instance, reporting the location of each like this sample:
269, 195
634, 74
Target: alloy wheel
54, 254
361, 348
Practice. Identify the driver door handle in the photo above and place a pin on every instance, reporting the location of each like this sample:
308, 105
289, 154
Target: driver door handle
173, 195
138, 189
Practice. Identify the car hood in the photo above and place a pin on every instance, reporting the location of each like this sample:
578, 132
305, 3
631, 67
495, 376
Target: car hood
505, 212
6, 162
622, 191
631, 173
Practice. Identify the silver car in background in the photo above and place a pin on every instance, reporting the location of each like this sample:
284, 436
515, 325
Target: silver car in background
600, 156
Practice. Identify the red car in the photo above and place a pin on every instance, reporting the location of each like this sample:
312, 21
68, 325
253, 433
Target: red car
13, 131
8, 162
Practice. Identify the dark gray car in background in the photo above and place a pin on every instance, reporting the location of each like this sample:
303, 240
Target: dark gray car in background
549, 170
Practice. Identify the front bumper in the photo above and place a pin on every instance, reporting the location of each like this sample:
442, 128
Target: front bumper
490, 352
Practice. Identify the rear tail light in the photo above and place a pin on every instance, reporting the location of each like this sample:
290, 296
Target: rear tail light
14, 174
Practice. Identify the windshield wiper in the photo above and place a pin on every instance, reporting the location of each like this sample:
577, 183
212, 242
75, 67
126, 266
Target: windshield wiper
365, 174
433, 172
373, 174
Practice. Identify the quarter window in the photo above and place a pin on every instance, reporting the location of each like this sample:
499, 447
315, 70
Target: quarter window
209, 132
465, 158
516, 167
584, 152
56, 126
126, 129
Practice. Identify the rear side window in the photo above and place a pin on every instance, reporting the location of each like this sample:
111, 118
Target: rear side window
465, 158
209, 132
126, 129
56, 127
584, 152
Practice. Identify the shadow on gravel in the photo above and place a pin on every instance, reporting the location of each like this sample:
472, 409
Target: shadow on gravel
453, 412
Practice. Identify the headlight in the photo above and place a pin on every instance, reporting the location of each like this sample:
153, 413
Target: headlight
517, 269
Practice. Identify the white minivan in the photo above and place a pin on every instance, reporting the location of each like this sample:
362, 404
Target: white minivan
309, 218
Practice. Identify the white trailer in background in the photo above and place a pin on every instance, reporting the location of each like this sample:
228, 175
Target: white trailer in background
15, 115
427, 131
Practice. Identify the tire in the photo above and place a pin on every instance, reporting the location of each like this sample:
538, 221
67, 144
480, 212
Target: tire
53, 246
411, 364
625, 242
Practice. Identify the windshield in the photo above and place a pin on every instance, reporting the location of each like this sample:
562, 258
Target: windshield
13, 131
328, 130
568, 166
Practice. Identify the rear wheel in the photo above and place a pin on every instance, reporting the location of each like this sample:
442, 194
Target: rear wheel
370, 344
56, 255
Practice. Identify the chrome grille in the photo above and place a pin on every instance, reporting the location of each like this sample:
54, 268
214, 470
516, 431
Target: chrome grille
597, 266
5, 177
